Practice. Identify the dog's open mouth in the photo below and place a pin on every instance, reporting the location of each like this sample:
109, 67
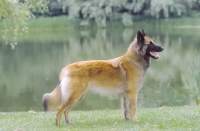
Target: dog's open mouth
154, 55
151, 51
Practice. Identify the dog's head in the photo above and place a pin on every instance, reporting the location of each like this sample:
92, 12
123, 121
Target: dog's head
146, 46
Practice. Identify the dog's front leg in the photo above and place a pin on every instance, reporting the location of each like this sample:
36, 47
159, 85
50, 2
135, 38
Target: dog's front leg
125, 106
132, 98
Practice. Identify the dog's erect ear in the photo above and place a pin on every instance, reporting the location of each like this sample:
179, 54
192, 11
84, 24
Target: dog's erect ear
140, 38
143, 33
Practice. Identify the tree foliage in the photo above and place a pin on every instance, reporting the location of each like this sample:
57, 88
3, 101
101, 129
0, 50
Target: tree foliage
14, 14
123, 10
103, 10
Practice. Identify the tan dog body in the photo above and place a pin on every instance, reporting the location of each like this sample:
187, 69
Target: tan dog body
122, 76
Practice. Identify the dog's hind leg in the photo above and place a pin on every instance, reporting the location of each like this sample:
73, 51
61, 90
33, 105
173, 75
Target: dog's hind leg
73, 92
68, 110
65, 108
66, 115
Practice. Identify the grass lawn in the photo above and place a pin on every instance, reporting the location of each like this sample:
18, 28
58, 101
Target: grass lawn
164, 118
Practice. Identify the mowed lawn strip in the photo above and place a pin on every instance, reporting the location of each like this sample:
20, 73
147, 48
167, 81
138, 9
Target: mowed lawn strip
164, 118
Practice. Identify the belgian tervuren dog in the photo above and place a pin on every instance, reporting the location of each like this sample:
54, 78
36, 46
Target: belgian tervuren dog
122, 76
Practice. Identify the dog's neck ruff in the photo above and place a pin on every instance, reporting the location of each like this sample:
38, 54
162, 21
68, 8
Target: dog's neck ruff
141, 68
141, 61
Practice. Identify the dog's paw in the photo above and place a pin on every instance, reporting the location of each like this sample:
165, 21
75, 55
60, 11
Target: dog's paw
69, 123
135, 119
57, 122
127, 116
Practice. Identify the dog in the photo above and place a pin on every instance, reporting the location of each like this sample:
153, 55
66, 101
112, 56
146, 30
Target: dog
122, 76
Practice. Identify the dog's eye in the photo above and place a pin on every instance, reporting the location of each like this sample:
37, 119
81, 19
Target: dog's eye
151, 43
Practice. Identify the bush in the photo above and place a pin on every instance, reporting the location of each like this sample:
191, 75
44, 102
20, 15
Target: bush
122, 10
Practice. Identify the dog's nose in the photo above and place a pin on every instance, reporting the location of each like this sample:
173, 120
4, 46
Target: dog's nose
162, 48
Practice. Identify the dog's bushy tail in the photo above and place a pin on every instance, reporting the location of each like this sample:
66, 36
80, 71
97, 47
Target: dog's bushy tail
51, 101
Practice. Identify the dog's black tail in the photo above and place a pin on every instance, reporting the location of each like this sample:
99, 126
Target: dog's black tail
45, 102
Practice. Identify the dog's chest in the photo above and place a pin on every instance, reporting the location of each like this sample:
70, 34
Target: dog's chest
140, 82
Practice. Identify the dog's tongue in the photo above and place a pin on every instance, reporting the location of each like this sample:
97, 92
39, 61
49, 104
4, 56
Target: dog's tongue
155, 55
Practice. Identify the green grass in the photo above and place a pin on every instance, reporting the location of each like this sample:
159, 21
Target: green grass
51, 23
164, 118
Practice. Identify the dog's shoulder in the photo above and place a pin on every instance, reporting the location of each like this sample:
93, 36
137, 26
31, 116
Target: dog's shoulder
115, 62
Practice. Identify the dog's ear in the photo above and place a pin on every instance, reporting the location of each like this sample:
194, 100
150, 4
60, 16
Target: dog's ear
143, 33
140, 38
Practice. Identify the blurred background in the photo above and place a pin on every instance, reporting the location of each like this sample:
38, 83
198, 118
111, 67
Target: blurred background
38, 40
